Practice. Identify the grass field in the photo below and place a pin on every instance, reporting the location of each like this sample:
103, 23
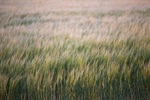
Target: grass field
74, 50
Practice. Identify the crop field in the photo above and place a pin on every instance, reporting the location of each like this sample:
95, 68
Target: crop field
74, 50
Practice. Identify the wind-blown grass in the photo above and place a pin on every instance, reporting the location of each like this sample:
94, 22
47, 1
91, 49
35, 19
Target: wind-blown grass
101, 62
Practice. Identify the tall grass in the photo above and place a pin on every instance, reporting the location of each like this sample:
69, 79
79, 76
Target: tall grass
107, 61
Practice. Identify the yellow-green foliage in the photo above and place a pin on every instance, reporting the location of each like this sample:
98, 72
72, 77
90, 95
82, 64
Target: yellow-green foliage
91, 56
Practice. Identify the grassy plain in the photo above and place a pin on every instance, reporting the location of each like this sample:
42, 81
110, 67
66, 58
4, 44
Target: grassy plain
97, 50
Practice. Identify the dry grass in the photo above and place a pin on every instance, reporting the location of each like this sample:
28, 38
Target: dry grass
74, 50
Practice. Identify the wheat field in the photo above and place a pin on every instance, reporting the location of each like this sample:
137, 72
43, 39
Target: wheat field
74, 50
